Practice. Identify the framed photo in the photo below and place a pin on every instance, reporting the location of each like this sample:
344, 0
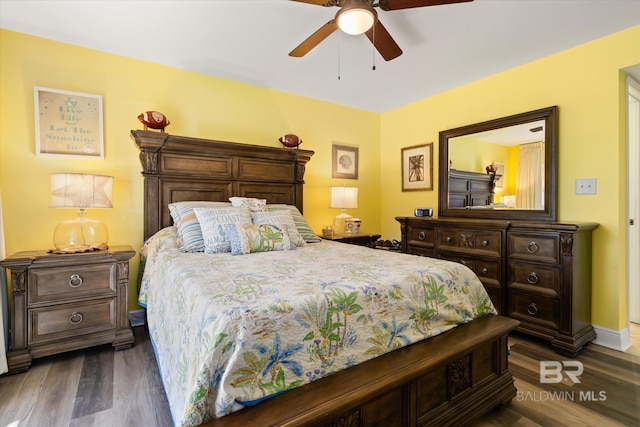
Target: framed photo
499, 171
68, 124
417, 167
344, 161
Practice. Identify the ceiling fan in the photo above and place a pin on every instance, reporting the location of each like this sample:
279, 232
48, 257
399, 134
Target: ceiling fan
359, 16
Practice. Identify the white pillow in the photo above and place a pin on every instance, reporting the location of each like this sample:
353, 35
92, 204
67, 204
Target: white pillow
212, 221
254, 205
286, 219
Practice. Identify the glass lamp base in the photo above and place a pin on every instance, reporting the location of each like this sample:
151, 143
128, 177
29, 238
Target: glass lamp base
339, 225
80, 235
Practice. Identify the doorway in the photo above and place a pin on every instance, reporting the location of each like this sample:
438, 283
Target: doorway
633, 201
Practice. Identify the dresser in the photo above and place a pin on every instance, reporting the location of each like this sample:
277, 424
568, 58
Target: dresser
471, 188
536, 272
63, 302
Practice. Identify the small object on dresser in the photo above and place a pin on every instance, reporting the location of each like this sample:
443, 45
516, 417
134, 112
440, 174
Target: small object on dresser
290, 140
154, 120
388, 245
327, 231
353, 225
491, 169
423, 212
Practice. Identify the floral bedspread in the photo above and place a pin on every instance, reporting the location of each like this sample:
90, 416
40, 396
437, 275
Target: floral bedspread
230, 331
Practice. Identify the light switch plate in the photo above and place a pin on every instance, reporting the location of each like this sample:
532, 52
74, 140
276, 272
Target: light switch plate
586, 185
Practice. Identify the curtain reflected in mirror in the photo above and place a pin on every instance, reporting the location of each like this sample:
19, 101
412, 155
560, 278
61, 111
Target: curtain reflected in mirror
530, 176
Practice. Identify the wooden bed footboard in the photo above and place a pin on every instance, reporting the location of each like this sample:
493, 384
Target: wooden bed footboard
450, 379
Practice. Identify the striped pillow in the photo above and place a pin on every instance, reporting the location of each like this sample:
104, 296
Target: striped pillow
301, 224
189, 231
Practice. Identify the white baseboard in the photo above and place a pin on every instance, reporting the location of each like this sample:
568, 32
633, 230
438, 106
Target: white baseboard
615, 340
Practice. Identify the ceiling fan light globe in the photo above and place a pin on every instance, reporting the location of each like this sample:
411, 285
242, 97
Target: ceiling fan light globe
355, 21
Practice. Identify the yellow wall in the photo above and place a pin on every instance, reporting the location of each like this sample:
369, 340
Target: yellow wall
197, 105
586, 84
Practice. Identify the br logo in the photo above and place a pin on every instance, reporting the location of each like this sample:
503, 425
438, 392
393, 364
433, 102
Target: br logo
552, 372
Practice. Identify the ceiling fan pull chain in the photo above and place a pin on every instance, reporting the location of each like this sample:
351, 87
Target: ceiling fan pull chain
373, 49
339, 39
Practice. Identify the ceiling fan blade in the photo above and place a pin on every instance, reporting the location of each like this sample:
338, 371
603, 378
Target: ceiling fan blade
314, 39
383, 42
408, 4
318, 2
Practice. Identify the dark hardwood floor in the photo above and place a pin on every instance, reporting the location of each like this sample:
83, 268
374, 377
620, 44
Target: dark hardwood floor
100, 387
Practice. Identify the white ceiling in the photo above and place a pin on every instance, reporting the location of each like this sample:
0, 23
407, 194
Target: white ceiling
249, 41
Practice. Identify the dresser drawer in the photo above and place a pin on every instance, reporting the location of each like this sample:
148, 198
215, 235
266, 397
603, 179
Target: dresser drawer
481, 242
535, 308
67, 320
422, 237
68, 283
536, 247
535, 277
488, 271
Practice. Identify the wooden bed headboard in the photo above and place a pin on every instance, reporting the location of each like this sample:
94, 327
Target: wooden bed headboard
178, 168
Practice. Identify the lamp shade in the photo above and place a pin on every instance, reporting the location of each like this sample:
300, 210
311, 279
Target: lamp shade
343, 197
78, 190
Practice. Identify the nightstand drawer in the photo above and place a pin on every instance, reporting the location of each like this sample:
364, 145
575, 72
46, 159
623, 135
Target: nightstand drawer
534, 247
67, 283
67, 320
485, 242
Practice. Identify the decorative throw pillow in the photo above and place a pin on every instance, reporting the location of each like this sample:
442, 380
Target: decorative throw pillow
249, 238
301, 224
284, 218
184, 218
212, 222
254, 205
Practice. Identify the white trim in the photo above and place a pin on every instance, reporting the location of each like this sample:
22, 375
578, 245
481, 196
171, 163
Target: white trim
615, 340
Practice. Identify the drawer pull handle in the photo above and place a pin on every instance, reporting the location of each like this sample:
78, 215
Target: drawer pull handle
76, 318
448, 239
532, 309
533, 248
485, 270
75, 281
533, 278
485, 243
422, 235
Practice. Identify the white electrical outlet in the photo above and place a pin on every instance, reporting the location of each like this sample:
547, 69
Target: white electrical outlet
586, 185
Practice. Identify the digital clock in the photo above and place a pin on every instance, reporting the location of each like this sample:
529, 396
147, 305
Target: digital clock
423, 212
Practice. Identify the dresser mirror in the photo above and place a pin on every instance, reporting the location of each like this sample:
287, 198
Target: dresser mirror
500, 169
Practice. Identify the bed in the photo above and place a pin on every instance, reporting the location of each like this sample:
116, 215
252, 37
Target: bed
293, 360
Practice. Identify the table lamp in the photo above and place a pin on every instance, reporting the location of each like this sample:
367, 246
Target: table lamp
342, 198
77, 190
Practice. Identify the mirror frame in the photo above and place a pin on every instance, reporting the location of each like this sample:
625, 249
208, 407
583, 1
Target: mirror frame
550, 116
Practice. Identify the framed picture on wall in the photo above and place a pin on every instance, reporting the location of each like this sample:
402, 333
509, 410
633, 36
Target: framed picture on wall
417, 167
344, 162
68, 124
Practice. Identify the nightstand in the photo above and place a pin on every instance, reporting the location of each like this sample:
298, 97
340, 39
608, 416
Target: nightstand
359, 239
63, 302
